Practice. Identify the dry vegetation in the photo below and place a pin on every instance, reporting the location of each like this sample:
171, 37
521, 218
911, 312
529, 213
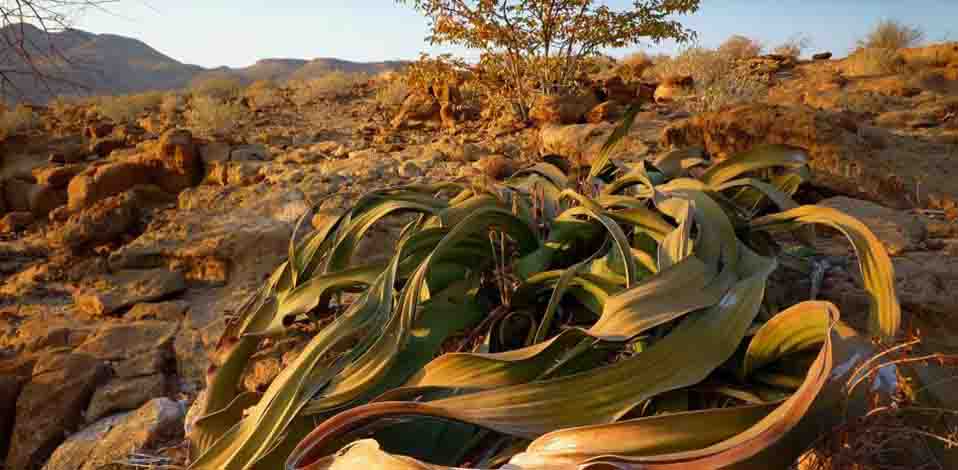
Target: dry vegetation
128, 108
873, 61
331, 85
794, 46
19, 119
212, 116
220, 87
892, 34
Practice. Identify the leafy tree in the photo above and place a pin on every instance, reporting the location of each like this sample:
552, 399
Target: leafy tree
539, 45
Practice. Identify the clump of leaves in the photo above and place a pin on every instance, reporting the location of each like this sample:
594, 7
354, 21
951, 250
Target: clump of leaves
615, 319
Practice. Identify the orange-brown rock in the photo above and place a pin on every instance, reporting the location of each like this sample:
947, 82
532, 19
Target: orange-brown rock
840, 159
179, 161
57, 176
673, 87
941, 54
417, 106
607, 111
100, 182
568, 109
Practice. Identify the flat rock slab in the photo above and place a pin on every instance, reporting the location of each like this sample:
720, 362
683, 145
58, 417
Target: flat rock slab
113, 439
124, 394
123, 342
127, 288
899, 231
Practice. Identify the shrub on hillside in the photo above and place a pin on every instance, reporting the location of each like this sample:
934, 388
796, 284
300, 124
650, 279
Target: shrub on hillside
793, 47
128, 108
703, 65
334, 84
392, 93
874, 61
18, 119
220, 87
892, 34
264, 94
740, 47
171, 103
213, 116
735, 88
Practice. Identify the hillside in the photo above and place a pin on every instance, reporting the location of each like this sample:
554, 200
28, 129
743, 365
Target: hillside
107, 64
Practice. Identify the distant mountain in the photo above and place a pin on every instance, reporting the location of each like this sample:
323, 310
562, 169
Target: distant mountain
112, 64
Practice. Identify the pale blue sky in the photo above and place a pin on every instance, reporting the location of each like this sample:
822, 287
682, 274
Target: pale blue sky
238, 32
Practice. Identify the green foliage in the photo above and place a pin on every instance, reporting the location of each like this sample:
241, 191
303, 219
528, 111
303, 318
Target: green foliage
523, 310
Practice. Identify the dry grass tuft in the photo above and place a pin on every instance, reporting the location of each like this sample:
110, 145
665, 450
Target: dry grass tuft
172, 102
900, 430
874, 61
892, 34
212, 116
19, 119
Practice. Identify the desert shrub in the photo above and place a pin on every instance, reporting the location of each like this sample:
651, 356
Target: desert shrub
127, 108
220, 87
213, 116
740, 47
171, 102
892, 34
264, 94
793, 47
334, 84
634, 65
18, 119
703, 65
873, 61
732, 89
551, 48
391, 94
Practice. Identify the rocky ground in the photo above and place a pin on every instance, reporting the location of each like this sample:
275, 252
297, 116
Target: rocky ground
125, 248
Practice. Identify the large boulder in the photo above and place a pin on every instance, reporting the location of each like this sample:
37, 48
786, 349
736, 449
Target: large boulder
103, 222
673, 88
123, 394
111, 440
100, 182
567, 109
581, 143
127, 288
842, 161
51, 406
418, 106
179, 161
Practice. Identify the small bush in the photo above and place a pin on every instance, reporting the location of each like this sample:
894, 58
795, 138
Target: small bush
392, 93
128, 108
705, 66
335, 84
19, 119
794, 46
740, 47
213, 116
264, 94
171, 103
735, 88
634, 65
892, 34
873, 61
220, 87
